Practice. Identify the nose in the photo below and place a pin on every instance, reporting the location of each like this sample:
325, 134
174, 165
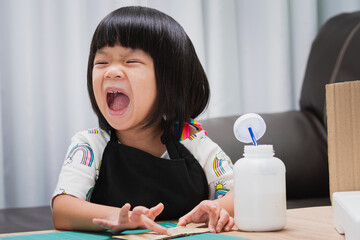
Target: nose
114, 72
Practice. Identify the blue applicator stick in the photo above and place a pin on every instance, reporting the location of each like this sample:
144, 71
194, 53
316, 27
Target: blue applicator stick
252, 136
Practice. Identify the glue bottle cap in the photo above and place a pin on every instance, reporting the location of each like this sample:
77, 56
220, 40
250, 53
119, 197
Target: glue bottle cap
246, 121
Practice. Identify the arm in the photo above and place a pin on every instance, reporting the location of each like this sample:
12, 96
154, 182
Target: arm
71, 213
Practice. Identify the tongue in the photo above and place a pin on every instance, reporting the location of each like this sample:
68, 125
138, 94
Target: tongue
119, 102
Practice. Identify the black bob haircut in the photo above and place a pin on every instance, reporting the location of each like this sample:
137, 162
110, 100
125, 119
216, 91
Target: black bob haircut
182, 87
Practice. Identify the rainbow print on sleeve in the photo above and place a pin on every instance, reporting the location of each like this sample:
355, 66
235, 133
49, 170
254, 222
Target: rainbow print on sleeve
220, 190
93, 131
87, 154
221, 162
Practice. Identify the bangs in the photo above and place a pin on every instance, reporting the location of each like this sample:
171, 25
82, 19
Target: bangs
130, 27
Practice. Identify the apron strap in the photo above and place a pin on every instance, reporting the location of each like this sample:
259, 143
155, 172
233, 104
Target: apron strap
113, 137
173, 149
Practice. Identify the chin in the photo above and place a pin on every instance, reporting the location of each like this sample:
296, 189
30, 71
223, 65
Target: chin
119, 125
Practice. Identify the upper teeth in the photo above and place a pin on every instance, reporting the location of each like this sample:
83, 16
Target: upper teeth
114, 92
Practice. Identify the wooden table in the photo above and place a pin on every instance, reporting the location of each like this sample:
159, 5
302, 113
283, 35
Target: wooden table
314, 223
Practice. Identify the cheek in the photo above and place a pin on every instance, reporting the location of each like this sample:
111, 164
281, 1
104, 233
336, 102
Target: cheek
96, 84
146, 95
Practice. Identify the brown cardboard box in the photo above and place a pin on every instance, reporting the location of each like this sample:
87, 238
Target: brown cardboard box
343, 123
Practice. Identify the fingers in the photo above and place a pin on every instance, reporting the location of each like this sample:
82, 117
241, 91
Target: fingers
124, 213
138, 217
218, 218
115, 225
155, 211
223, 219
183, 220
137, 212
199, 214
187, 217
152, 226
214, 213
229, 224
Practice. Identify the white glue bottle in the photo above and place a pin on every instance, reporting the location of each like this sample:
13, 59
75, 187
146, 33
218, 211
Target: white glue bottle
259, 180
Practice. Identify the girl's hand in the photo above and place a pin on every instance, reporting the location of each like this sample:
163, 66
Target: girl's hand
139, 217
210, 212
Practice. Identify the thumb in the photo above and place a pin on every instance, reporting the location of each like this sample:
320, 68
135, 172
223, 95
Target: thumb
182, 221
187, 218
155, 211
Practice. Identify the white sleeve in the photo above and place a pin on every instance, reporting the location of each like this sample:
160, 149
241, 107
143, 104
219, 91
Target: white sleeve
217, 165
82, 164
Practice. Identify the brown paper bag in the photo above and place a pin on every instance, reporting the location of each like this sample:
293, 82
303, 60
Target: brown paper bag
343, 123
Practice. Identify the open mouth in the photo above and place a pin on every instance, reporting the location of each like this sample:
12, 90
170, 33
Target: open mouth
117, 101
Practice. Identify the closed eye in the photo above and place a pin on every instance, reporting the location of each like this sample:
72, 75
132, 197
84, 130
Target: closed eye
101, 63
133, 61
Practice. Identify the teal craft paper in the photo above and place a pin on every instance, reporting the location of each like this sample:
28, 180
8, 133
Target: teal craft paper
67, 235
74, 235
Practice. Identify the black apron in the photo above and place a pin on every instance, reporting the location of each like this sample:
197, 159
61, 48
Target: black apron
129, 175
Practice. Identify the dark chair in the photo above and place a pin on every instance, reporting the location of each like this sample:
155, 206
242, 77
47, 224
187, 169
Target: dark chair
300, 137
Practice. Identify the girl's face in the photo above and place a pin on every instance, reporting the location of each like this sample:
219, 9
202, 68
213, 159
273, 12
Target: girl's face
124, 86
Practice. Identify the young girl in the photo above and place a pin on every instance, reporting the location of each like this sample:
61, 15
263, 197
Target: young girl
149, 159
